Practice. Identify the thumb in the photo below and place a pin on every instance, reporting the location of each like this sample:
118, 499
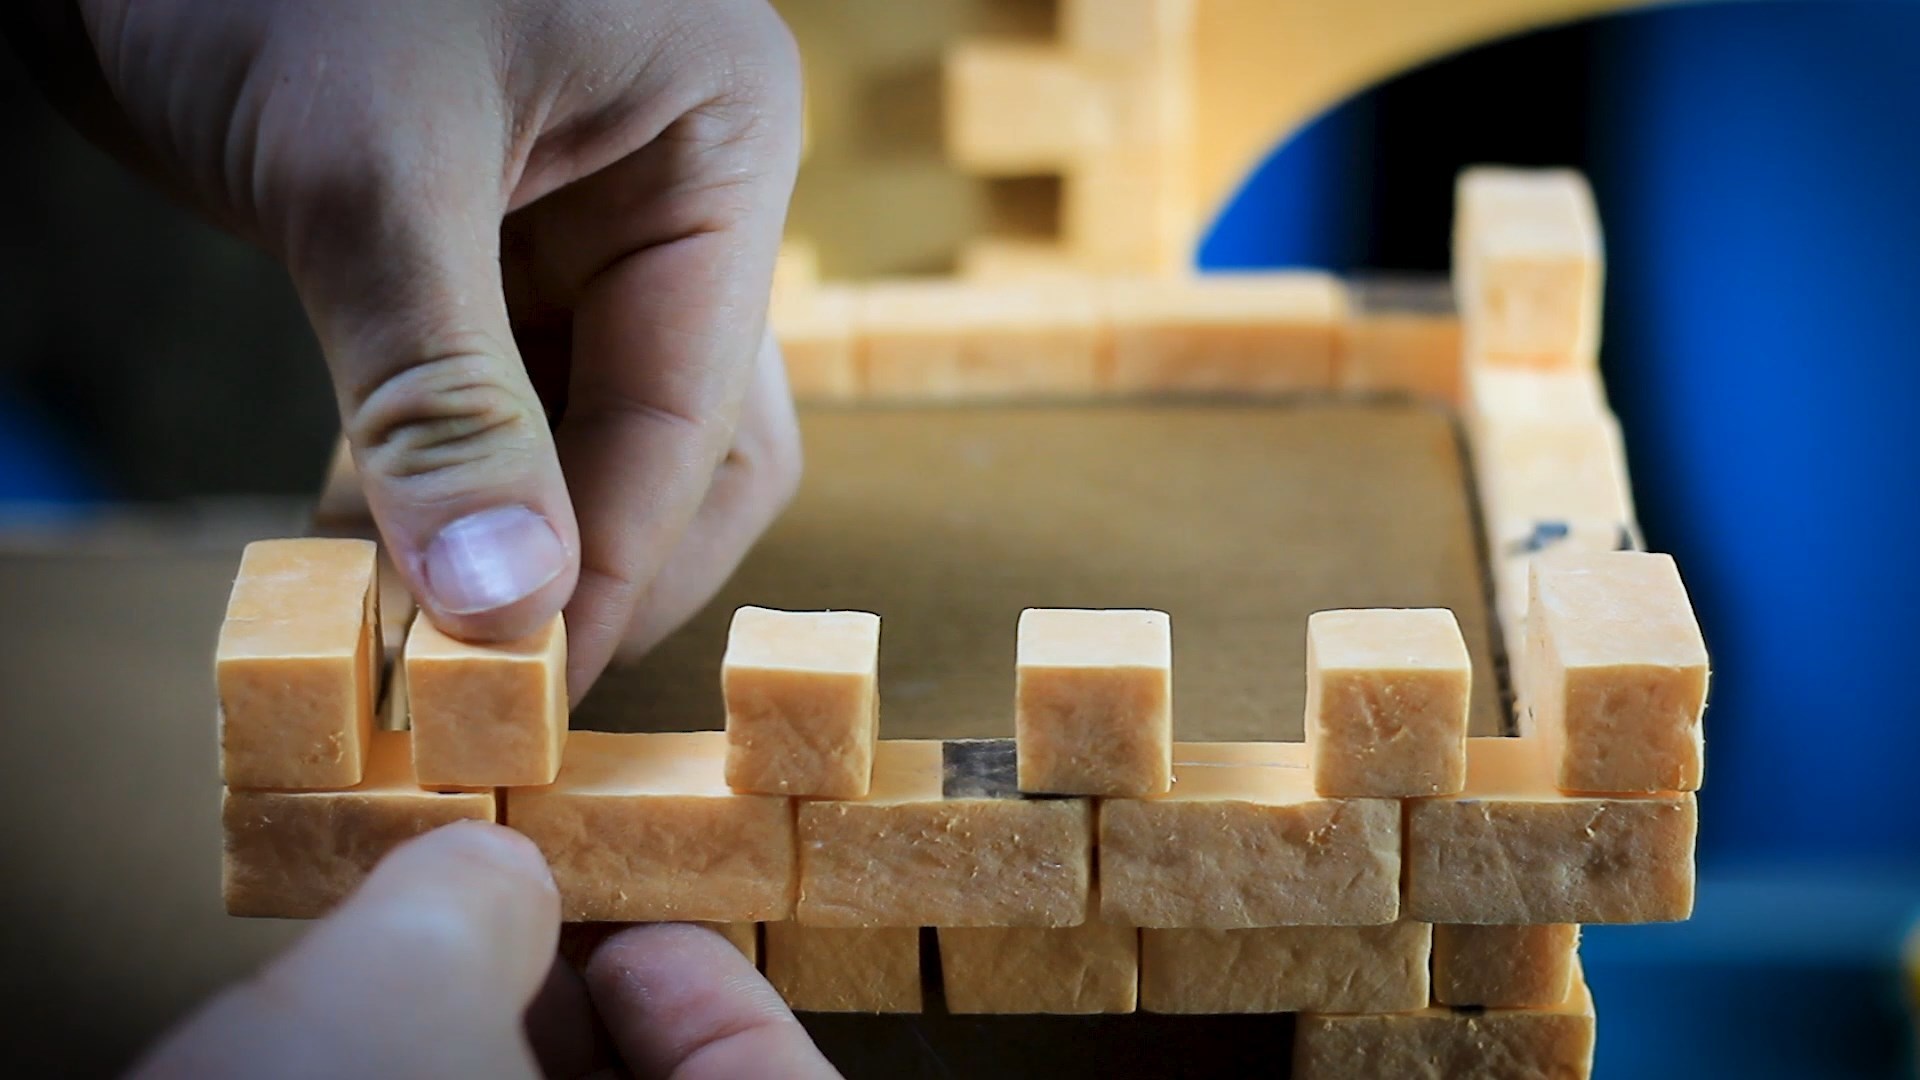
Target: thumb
426, 970
401, 280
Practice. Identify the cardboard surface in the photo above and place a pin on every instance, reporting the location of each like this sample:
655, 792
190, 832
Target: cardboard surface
1239, 521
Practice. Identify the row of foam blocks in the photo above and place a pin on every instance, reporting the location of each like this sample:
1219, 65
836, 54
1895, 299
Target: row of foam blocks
1374, 877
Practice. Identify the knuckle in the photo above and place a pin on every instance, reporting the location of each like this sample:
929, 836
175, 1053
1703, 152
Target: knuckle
444, 417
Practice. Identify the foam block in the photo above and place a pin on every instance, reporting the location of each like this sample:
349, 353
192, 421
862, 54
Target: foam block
1285, 969
487, 715
1016, 109
944, 838
297, 665
1387, 700
1090, 968
803, 701
1225, 333
815, 328
1438, 1043
642, 828
1616, 672
1504, 966
1093, 710
958, 340
1527, 263
1511, 849
1551, 470
1242, 840
1401, 335
829, 969
296, 854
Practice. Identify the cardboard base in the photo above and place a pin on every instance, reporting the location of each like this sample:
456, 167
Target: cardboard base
1238, 520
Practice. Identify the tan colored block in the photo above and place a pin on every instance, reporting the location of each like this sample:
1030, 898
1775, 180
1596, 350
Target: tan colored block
1617, 676
803, 701
1125, 32
1525, 394
1527, 264
1242, 840
297, 665
1552, 470
1511, 849
944, 839
1121, 209
1442, 1044
797, 266
1090, 968
947, 340
1002, 258
815, 328
1275, 969
827, 969
295, 854
1402, 335
1517, 545
642, 828
1225, 333
1504, 966
1093, 708
487, 715
1015, 109
744, 936
1387, 699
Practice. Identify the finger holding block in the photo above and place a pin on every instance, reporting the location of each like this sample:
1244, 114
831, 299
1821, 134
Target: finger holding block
297, 665
802, 696
1387, 701
1617, 672
1093, 710
830, 969
1242, 840
487, 715
295, 854
642, 827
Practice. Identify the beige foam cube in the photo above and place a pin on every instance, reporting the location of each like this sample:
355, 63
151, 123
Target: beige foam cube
486, 715
1387, 701
971, 340
1243, 334
643, 828
1017, 109
295, 854
943, 838
803, 701
1527, 394
1511, 849
1090, 968
1276, 969
1401, 335
1517, 545
1552, 470
797, 266
1554, 1042
297, 665
1504, 966
1093, 701
830, 969
815, 328
1243, 840
1617, 672
1004, 258
1528, 266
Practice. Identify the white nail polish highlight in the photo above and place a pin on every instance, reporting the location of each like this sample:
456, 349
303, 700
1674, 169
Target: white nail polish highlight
491, 559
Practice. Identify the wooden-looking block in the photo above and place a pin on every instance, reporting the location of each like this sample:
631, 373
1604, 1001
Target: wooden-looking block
830, 969
744, 936
1387, 700
487, 715
947, 340
1015, 109
297, 666
642, 828
1517, 544
815, 328
1504, 966
944, 838
803, 701
1402, 335
1526, 394
1125, 32
797, 266
1090, 968
1242, 840
1002, 258
1616, 673
1511, 849
295, 854
1274, 969
1527, 263
1540, 470
1493, 1044
1093, 703
1225, 333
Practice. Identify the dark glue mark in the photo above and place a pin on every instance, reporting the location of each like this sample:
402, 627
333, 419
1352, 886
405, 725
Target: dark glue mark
1626, 541
981, 769
1545, 534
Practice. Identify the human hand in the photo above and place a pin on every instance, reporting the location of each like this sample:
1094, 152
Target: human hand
488, 203
442, 964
